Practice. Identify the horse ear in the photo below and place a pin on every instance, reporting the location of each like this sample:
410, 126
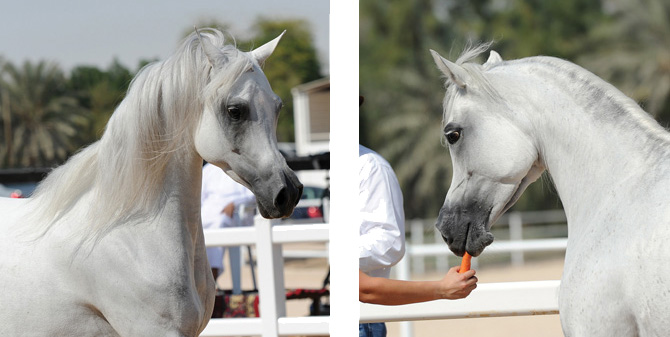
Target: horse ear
455, 73
494, 58
261, 53
214, 55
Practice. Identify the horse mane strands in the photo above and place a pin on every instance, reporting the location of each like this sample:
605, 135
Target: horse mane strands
123, 172
477, 79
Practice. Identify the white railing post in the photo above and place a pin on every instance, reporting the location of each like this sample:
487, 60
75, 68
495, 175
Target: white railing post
272, 296
416, 228
516, 234
402, 271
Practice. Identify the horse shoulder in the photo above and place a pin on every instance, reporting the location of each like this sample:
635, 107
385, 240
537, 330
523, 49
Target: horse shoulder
149, 272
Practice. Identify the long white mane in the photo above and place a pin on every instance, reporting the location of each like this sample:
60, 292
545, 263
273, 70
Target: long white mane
123, 173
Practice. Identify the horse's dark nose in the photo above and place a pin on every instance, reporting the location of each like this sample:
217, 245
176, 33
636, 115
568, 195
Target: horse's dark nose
282, 198
288, 197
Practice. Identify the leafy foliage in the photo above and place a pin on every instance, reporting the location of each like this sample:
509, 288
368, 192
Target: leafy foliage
99, 91
632, 50
40, 119
292, 63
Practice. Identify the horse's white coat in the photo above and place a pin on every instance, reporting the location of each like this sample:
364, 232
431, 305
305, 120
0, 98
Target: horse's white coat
112, 243
610, 163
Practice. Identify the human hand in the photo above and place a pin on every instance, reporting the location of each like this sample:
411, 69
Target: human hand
454, 285
229, 209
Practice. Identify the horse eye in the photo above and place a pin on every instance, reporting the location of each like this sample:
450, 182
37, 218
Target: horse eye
453, 136
234, 112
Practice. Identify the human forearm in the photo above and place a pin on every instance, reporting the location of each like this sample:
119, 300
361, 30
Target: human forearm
395, 292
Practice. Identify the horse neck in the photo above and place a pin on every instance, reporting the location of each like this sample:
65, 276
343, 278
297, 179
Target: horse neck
182, 186
595, 142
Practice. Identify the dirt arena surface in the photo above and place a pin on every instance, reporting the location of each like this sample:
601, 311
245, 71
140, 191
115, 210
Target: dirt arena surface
522, 326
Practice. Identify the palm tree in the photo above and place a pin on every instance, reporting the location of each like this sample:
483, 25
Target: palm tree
44, 119
632, 50
402, 114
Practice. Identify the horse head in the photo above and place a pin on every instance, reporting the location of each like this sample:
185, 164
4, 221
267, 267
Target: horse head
237, 130
494, 158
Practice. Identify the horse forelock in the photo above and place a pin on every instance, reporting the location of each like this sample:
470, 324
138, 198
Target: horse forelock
477, 81
125, 170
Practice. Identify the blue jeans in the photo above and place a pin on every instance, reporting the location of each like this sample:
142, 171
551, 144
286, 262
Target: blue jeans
372, 330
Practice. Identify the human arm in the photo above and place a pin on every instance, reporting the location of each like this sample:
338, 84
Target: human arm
379, 290
229, 209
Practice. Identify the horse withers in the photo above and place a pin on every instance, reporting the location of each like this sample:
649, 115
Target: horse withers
506, 122
112, 242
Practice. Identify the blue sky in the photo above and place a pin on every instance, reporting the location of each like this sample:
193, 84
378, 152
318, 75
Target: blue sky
94, 32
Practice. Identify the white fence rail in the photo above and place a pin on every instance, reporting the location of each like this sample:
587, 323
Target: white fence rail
516, 245
489, 299
268, 240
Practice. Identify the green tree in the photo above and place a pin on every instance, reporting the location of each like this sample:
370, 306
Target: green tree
292, 63
44, 119
401, 116
99, 91
632, 50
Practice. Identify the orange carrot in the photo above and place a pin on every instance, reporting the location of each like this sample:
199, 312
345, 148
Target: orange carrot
465, 263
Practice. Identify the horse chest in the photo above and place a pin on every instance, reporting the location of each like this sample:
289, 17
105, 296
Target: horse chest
136, 281
157, 275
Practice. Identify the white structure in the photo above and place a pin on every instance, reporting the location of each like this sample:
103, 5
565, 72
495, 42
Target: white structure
311, 113
488, 300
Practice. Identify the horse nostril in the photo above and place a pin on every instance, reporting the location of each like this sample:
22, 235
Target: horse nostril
281, 198
299, 195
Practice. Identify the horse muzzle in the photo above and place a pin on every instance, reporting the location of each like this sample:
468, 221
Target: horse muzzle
285, 197
465, 229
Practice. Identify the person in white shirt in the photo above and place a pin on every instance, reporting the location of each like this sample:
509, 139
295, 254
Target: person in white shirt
221, 200
382, 218
381, 242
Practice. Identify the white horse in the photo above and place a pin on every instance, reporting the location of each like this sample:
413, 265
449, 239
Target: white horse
506, 122
112, 243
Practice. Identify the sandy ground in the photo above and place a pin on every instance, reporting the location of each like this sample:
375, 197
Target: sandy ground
524, 326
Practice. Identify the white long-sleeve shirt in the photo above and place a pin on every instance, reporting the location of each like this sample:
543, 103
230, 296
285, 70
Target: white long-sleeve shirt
219, 190
382, 218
